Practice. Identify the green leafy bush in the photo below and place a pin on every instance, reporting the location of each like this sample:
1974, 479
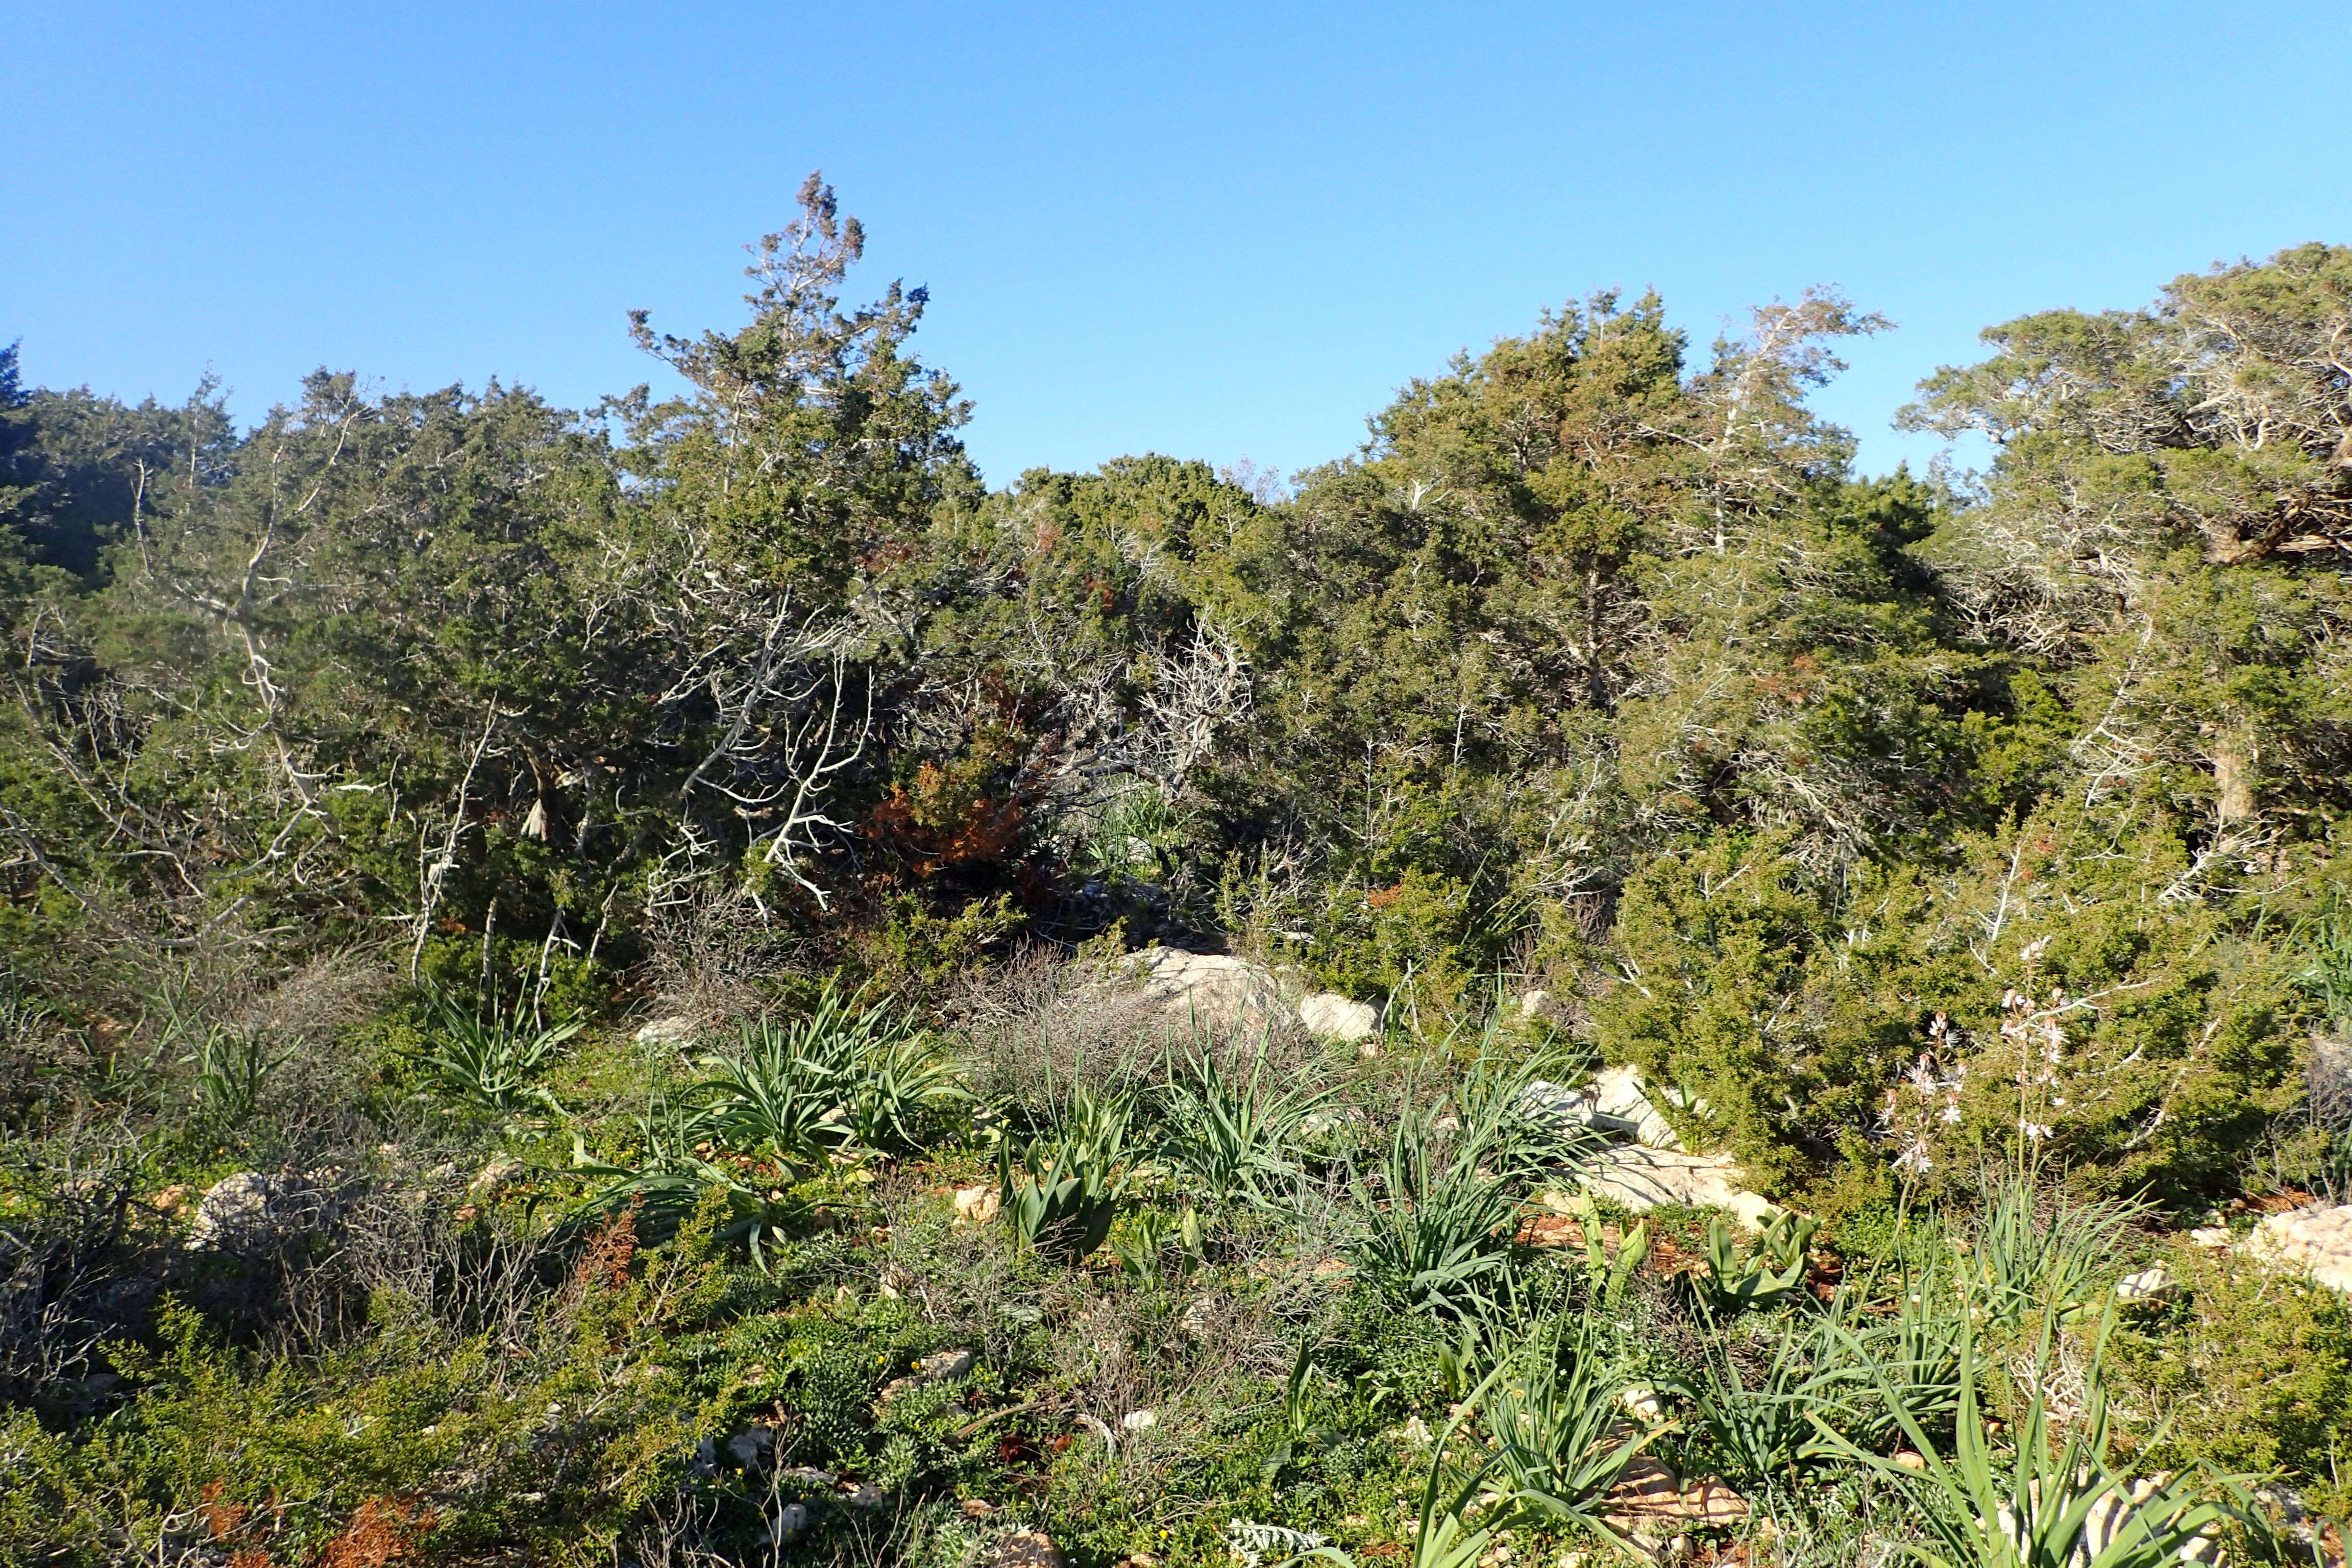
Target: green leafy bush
1557, 1419
1233, 1138
492, 1062
1065, 1188
2245, 1371
2054, 1495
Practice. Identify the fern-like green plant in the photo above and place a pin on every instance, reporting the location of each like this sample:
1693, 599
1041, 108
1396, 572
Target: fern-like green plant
1437, 1221
1758, 1424
232, 1067
2035, 1251
900, 1093
1443, 1535
1438, 1216
770, 1099
852, 1071
2322, 944
1568, 1456
1150, 1236
1557, 1422
1136, 836
667, 1174
1907, 1364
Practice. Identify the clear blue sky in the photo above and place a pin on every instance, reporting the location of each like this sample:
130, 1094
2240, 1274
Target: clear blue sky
1218, 231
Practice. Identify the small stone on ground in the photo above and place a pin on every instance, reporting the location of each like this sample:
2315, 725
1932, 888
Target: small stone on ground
1028, 1549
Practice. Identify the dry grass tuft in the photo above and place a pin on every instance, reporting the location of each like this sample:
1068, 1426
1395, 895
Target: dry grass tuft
1034, 1024
716, 956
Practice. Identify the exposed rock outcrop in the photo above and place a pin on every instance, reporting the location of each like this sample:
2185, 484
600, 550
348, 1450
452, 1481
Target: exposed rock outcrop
1225, 991
1639, 1177
1332, 1016
1644, 1164
1619, 1098
1613, 1104
1028, 1549
502, 1172
2314, 1241
249, 1211
1216, 988
945, 1366
1648, 1500
670, 1029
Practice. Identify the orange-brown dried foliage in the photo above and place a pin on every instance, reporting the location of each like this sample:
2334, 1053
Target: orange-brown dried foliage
381, 1530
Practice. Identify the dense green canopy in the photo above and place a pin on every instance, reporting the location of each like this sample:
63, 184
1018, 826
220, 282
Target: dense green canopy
1596, 670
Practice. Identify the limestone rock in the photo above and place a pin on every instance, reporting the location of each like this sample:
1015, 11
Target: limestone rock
248, 1211
2114, 1518
1647, 1500
1614, 1103
1653, 1171
1028, 1549
1214, 988
670, 1029
945, 1366
1618, 1098
1567, 1111
502, 1171
1200, 1317
1337, 1017
978, 1204
2316, 1241
1639, 1177
1551, 1224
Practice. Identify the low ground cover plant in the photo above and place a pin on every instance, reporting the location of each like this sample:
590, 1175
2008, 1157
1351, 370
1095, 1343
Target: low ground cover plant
737, 1326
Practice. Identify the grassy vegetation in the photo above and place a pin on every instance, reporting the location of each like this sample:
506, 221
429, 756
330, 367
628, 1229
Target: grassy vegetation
790, 1294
